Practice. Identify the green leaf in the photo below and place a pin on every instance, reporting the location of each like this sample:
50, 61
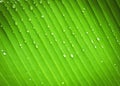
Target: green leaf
60, 42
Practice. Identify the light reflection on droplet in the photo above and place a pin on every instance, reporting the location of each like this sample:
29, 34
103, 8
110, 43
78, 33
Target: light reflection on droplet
63, 42
73, 33
2, 50
30, 79
42, 16
33, 42
101, 61
102, 46
56, 40
98, 39
115, 64
1, 1
69, 27
83, 50
64, 55
31, 8
84, 8
95, 46
64, 30
83, 11
41, 2
4, 53
86, 32
48, 2
42, 83
92, 41
16, 23
63, 83
50, 42
71, 55
52, 33
48, 26
36, 46
72, 45
28, 31
29, 19
22, 19
13, 6
20, 45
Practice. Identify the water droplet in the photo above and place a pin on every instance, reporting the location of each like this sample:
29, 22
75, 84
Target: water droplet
52, 33
45, 34
98, 39
23, 8
63, 15
95, 46
28, 31
92, 41
108, 37
63, 83
102, 46
4, 53
30, 79
42, 16
15, 2
50, 42
16, 9
118, 41
2, 50
20, 45
64, 55
93, 30
33, 42
115, 64
83, 50
56, 40
25, 41
63, 42
13, 6
34, 2
29, 19
16, 23
36, 46
22, 19
83, 11
31, 8
42, 83
69, 27
86, 32
84, 8
1, 1
73, 33
101, 61
41, 2
48, 2
63, 30
48, 26
72, 45
71, 55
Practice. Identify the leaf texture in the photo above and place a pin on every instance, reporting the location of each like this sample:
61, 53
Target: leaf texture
60, 43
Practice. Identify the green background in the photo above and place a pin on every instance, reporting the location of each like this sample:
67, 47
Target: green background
60, 43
